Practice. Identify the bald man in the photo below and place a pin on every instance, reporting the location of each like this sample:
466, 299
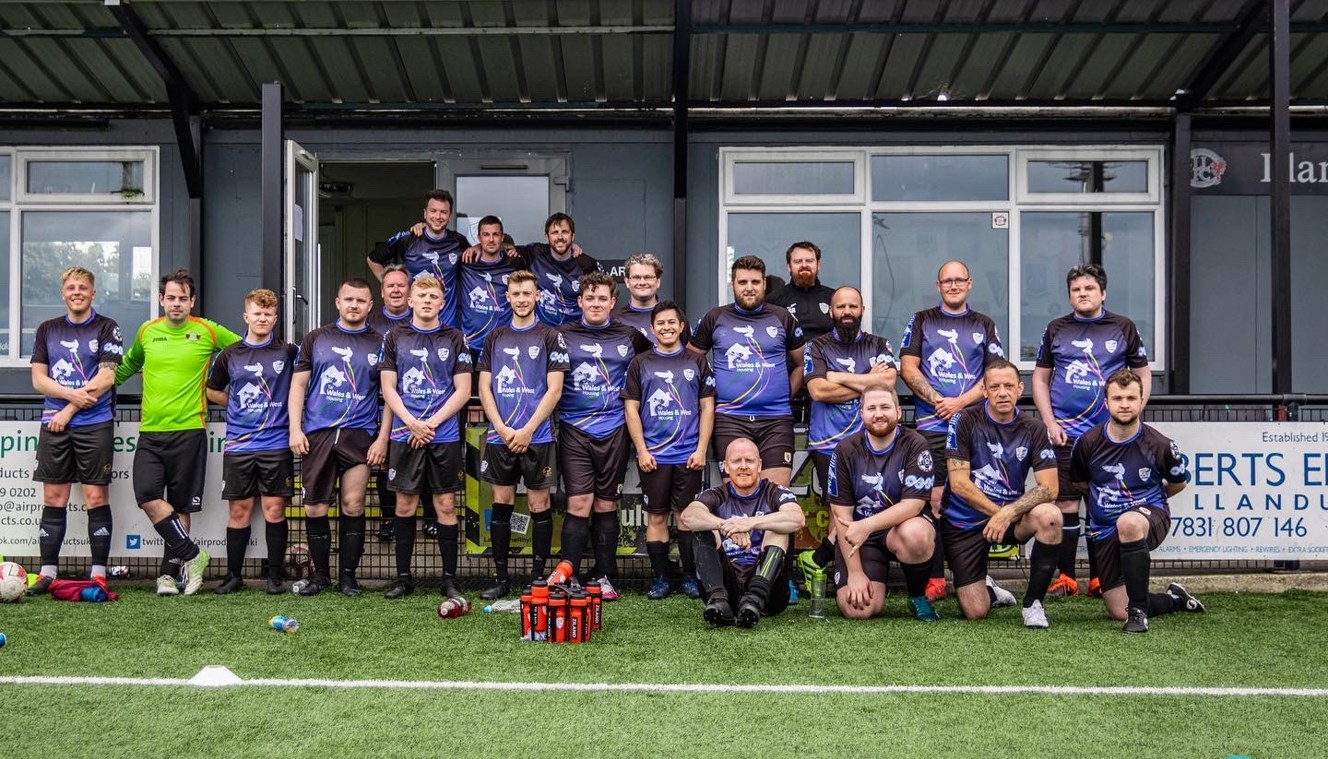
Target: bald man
743, 530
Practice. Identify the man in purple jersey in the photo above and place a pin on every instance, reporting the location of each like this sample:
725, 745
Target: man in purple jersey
482, 285
521, 380
755, 351
943, 353
643, 274
743, 531
991, 449
1129, 471
837, 367
74, 358
426, 378
593, 445
1079, 351
879, 483
338, 429
671, 432
428, 247
395, 311
251, 379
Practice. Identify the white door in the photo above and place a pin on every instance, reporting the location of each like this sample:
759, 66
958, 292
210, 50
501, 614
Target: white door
303, 270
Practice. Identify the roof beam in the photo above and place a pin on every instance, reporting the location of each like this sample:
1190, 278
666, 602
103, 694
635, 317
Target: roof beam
184, 103
1253, 19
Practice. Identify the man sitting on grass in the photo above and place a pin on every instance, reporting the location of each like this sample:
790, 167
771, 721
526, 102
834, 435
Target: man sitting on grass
743, 530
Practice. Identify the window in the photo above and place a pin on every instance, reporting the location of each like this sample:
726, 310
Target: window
70, 207
1020, 217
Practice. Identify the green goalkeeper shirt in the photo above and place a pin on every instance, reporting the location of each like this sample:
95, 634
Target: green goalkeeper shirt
174, 362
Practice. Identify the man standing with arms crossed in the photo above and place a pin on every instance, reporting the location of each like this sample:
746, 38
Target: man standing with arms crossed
837, 367
521, 380
74, 358
756, 354
338, 430
1079, 352
943, 354
251, 379
671, 434
170, 464
426, 374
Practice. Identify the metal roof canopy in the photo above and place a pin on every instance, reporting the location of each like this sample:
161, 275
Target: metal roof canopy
614, 55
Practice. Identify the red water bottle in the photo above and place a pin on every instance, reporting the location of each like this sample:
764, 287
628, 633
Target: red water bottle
561, 573
454, 607
579, 618
527, 618
539, 600
558, 616
596, 595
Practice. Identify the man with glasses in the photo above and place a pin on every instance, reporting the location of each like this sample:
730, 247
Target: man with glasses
943, 354
1079, 352
644, 274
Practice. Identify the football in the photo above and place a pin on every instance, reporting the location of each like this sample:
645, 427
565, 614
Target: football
13, 582
298, 565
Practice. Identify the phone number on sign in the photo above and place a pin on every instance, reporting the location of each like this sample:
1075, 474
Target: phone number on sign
1238, 527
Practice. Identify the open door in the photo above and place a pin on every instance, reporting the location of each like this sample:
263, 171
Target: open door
302, 297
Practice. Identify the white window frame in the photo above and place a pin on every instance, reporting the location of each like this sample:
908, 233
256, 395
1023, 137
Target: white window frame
1017, 200
1150, 156
21, 202
729, 157
148, 156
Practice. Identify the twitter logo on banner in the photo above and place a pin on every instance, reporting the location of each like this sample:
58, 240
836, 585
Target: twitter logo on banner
133, 542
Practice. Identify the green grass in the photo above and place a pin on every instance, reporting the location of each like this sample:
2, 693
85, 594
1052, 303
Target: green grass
1244, 641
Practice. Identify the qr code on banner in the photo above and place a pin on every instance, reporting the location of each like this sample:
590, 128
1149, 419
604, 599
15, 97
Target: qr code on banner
520, 523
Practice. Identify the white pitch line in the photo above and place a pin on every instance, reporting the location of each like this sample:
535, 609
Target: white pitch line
1051, 690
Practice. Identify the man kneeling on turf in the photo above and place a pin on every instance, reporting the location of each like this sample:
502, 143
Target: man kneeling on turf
990, 449
743, 531
878, 484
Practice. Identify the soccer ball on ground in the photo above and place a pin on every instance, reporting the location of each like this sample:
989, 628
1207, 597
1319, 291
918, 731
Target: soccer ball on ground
298, 564
13, 582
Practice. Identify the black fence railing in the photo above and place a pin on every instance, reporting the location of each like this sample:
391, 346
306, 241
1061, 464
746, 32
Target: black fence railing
378, 561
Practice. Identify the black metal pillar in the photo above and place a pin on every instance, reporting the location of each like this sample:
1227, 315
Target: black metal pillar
682, 57
1279, 111
196, 260
1178, 262
273, 201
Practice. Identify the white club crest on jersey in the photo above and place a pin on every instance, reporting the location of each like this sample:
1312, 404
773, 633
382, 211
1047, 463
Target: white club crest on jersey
772, 331
1111, 346
1020, 453
1145, 473
825, 308
622, 351
278, 365
689, 374
443, 353
534, 351
977, 338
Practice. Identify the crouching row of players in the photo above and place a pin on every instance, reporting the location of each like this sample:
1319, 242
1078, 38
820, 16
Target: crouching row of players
878, 486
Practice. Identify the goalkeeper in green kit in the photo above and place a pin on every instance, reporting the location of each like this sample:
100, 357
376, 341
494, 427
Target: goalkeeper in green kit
174, 352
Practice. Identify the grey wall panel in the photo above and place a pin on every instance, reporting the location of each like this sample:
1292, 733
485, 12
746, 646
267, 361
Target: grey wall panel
1309, 281
1231, 331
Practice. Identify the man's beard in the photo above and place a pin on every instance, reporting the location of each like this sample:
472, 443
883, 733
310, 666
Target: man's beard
804, 278
846, 332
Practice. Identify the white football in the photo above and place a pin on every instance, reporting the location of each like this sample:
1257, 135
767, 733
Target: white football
13, 582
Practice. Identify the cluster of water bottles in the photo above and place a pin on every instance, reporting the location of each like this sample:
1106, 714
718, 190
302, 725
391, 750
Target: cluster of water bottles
557, 611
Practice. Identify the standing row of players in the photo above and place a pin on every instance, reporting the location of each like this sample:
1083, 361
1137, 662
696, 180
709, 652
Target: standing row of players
662, 399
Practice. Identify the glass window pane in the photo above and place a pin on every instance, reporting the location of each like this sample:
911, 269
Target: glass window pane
123, 178
940, 177
1088, 176
768, 236
1054, 242
114, 245
793, 177
4, 284
6, 178
909, 248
